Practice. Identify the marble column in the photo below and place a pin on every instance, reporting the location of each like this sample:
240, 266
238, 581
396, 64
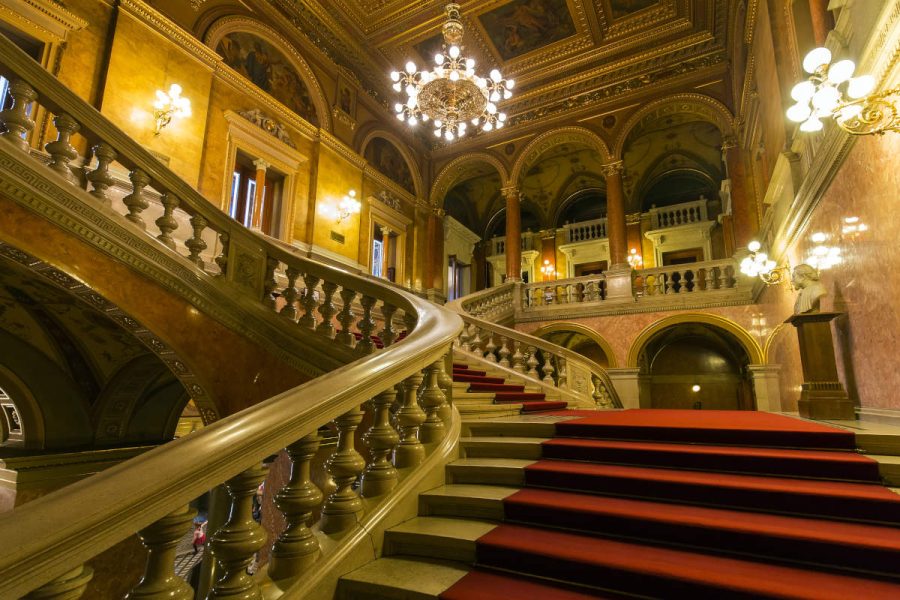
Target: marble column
385, 251
822, 21
743, 211
513, 234
261, 168
615, 214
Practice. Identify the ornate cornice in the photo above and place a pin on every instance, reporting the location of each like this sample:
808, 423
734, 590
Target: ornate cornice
332, 143
51, 20
169, 29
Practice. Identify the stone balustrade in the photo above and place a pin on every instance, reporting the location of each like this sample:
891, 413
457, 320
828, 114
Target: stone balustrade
47, 549
529, 241
677, 215
694, 278
590, 288
585, 231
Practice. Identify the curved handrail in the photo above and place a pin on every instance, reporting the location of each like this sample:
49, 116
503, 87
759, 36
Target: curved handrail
498, 304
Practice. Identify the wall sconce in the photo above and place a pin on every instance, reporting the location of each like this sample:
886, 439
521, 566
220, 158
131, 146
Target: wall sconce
549, 271
759, 265
832, 91
348, 206
168, 106
822, 257
634, 259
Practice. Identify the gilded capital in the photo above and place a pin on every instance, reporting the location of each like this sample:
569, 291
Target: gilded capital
613, 168
510, 192
729, 142
438, 212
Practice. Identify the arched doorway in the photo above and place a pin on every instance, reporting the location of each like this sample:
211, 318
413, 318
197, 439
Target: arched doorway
695, 366
581, 340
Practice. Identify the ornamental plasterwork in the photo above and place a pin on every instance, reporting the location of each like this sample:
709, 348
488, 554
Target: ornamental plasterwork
48, 19
389, 200
270, 126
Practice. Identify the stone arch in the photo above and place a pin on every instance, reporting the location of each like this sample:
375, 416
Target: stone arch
704, 107
536, 147
235, 24
403, 149
747, 341
586, 331
452, 171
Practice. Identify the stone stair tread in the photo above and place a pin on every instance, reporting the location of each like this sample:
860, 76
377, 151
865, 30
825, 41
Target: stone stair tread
499, 439
469, 501
401, 579
471, 491
494, 463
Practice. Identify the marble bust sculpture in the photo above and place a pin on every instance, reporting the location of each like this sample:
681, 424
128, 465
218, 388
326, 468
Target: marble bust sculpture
805, 279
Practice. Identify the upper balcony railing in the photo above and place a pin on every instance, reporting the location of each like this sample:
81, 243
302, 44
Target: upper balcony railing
585, 231
529, 242
686, 213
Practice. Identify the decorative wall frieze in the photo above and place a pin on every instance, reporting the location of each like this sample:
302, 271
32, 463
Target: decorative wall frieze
269, 125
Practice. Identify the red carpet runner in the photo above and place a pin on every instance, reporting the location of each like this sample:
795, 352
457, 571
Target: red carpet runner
654, 503
504, 393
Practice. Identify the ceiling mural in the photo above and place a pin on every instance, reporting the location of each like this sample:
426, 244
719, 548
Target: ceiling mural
523, 26
623, 8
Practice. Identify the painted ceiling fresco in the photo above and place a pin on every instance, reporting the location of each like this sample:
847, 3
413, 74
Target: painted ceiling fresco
523, 26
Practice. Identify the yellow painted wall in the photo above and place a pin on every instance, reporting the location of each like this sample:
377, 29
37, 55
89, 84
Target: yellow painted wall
336, 176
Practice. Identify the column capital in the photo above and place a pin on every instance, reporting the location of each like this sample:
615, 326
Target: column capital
613, 168
510, 192
729, 142
438, 212
261, 165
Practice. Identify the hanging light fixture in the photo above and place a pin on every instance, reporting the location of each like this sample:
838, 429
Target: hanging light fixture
832, 91
451, 95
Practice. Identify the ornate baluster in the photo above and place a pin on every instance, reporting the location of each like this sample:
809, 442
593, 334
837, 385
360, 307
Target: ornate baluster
135, 201
161, 540
547, 369
518, 358
309, 302
269, 282
342, 508
444, 379
234, 543
290, 293
167, 223
465, 339
670, 282
683, 282
591, 291
345, 318
476, 341
297, 547
387, 334
195, 244
222, 258
490, 348
710, 279
434, 402
380, 476
660, 283
410, 451
562, 373
532, 362
61, 151
721, 279
100, 178
327, 309
15, 118
645, 286
69, 586
366, 326
504, 352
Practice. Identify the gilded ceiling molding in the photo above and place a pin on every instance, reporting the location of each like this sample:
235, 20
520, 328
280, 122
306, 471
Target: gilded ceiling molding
170, 30
400, 145
453, 171
563, 135
706, 107
750, 21
45, 19
227, 25
330, 141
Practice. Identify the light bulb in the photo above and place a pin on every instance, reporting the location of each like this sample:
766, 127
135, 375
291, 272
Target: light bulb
811, 124
841, 71
437, 133
510, 83
400, 116
501, 117
449, 136
397, 87
438, 123
803, 91
495, 76
454, 75
754, 246
799, 112
849, 112
410, 90
495, 96
860, 86
424, 118
826, 99
475, 121
491, 108
412, 121
411, 103
438, 59
398, 107
507, 94
395, 76
470, 63
454, 51
499, 124
174, 90
410, 67
816, 58
481, 82
488, 126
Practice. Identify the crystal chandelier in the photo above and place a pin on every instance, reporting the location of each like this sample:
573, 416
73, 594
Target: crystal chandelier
451, 95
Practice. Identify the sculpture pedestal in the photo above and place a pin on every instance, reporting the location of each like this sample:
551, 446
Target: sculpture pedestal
823, 395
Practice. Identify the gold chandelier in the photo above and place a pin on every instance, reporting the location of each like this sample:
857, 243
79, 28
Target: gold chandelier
451, 95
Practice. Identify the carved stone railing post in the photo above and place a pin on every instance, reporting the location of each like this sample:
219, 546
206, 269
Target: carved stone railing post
532, 362
15, 118
269, 282
387, 334
465, 339
345, 318
100, 178
234, 544
342, 508
410, 451
476, 341
297, 547
518, 358
490, 348
434, 402
562, 373
222, 258
380, 476
195, 244
327, 309
547, 369
167, 223
309, 302
69, 586
290, 293
161, 540
504, 352
366, 326
61, 150
135, 201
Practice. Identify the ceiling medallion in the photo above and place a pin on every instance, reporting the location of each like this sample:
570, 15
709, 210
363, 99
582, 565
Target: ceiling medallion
451, 95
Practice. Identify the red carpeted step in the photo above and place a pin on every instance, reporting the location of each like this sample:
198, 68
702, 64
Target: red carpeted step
465, 378
479, 585
460, 367
844, 500
469, 372
731, 427
661, 572
769, 461
854, 546
530, 407
495, 387
502, 397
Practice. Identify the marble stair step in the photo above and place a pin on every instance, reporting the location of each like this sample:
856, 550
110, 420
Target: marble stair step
888, 468
502, 447
499, 471
542, 427
398, 578
461, 387
486, 397
436, 537
488, 411
466, 501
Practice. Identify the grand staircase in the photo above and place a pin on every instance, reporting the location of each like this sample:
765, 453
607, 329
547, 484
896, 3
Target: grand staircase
481, 391
660, 504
